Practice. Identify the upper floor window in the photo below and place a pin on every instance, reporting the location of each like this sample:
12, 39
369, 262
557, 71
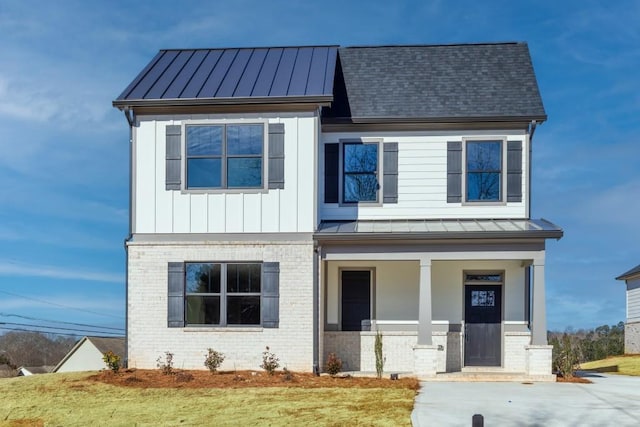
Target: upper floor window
484, 171
225, 156
360, 172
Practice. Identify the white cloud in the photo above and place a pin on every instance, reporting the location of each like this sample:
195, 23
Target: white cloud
53, 272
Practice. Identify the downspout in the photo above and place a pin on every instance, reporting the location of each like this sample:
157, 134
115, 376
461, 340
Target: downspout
530, 131
131, 119
317, 260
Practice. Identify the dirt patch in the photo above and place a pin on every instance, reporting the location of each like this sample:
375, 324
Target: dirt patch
143, 378
578, 380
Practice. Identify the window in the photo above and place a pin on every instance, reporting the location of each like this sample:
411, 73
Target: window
360, 172
224, 156
483, 171
223, 293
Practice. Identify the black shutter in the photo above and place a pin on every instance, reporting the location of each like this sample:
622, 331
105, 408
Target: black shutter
514, 171
390, 173
173, 157
454, 172
331, 172
270, 294
175, 314
276, 155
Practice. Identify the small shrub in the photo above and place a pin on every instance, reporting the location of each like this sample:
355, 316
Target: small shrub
334, 364
269, 361
379, 357
566, 355
165, 363
184, 377
213, 360
288, 375
112, 361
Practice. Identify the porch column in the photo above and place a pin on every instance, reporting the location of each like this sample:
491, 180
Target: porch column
424, 307
538, 309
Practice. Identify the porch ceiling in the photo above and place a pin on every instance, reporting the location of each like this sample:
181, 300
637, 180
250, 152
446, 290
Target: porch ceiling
438, 229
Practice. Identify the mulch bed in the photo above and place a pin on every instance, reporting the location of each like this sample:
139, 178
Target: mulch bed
148, 378
578, 380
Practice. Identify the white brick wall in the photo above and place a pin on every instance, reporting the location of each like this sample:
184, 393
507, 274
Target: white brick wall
514, 351
632, 338
149, 336
538, 360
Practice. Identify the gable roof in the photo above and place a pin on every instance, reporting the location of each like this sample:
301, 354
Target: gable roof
436, 83
103, 344
635, 271
234, 75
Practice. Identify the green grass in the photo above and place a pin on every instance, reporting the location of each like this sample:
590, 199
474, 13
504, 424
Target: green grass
72, 400
623, 365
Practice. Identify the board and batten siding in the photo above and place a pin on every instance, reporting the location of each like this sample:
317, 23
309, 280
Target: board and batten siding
633, 300
422, 179
291, 209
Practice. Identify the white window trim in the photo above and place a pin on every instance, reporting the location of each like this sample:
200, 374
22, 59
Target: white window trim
214, 122
503, 171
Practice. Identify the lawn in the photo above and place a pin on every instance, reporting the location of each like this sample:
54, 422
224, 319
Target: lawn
624, 365
79, 399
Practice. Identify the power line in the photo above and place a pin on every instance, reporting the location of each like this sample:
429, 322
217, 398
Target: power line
61, 305
55, 328
47, 332
60, 321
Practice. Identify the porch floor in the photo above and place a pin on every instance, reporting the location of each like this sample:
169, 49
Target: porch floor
472, 376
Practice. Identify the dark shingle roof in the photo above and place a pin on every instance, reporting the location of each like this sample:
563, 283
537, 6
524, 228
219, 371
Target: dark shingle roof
482, 81
212, 76
104, 344
635, 271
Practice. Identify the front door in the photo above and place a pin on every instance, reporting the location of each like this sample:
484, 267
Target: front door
482, 319
356, 299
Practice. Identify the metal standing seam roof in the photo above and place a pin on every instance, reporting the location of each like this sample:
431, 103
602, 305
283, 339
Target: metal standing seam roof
233, 75
493, 81
635, 271
438, 229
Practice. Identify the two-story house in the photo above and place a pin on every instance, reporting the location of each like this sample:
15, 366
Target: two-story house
307, 198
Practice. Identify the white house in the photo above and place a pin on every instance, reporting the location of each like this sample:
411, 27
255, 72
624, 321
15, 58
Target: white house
632, 324
305, 198
88, 353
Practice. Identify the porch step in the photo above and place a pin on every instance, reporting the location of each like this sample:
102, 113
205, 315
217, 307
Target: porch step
475, 376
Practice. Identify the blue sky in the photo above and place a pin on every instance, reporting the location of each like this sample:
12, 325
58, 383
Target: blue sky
63, 168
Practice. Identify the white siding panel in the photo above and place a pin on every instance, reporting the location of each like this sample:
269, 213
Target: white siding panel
271, 206
633, 299
181, 212
288, 209
234, 214
164, 199
305, 178
145, 178
252, 205
216, 213
199, 214
422, 179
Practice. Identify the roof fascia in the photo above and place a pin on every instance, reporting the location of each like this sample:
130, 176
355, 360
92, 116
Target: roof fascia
214, 109
329, 125
70, 353
318, 100
470, 236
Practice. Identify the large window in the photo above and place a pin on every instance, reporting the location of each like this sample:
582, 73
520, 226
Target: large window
225, 156
484, 171
360, 172
223, 293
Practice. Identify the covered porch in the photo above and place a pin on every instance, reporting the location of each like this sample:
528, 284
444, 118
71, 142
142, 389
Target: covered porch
444, 302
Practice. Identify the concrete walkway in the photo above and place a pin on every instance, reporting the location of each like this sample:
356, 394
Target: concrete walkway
612, 400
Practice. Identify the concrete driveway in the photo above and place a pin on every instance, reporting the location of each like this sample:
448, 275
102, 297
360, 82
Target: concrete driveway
612, 400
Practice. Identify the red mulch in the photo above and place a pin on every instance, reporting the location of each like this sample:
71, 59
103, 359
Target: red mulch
147, 378
579, 380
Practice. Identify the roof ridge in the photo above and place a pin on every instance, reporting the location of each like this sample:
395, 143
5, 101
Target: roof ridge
437, 45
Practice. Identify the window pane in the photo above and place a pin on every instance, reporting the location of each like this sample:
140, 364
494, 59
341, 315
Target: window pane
203, 310
244, 172
203, 278
484, 156
360, 188
243, 278
243, 310
484, 278
246, 139
360, 157
204, 173
483, 186
204, 140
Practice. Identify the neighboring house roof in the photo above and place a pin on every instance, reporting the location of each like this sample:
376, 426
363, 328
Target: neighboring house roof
436, 83
438, 229
103, 344
227, 76
33, 370
631, 274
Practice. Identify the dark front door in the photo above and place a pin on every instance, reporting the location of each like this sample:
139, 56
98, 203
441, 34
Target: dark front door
482, 319
356, 299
